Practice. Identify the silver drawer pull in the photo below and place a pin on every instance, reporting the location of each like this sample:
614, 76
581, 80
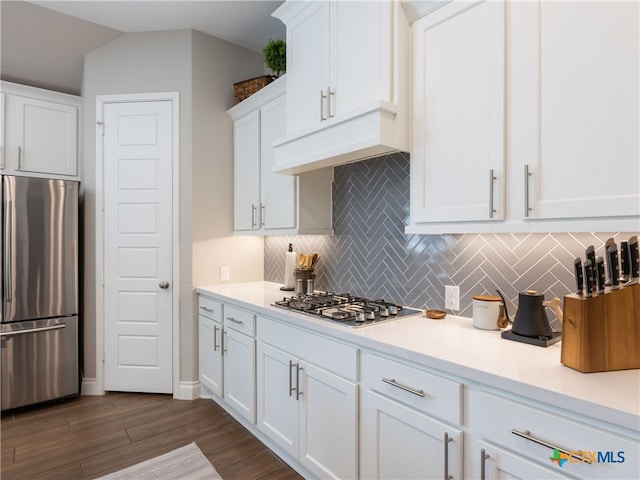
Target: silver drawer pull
32, 330
527, 436
235, 320
392, 382
447, 439
483, 463
207, 309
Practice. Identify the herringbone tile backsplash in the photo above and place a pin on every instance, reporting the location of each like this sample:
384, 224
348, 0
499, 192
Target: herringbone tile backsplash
370, 255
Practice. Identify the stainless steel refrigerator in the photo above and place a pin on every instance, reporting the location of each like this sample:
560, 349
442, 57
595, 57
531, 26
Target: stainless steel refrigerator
39, 284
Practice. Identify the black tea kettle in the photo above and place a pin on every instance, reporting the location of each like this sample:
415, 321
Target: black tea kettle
531, 324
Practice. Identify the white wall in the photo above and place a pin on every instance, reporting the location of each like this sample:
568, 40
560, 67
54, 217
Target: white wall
202, 69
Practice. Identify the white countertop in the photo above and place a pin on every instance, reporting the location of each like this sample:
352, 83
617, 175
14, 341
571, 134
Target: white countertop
453, 345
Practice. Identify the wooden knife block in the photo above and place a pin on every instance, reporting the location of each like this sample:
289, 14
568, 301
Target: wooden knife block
602, 333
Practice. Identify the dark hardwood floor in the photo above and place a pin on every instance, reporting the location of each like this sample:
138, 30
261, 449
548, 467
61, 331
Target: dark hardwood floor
91, 436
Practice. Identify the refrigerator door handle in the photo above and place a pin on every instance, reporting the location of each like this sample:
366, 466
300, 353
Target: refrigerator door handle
7, 250
32, 330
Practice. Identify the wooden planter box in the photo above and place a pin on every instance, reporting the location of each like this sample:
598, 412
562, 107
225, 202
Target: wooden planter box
246, 88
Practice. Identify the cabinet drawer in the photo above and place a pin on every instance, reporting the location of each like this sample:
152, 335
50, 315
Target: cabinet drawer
332, 356
432, 394
240, 320
610, 455
210, 308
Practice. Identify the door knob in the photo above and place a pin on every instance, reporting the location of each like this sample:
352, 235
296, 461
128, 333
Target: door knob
164, 285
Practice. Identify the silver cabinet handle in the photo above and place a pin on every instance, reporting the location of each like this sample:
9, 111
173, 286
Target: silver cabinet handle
291, 387
164, 285
527, 174
262, 214
483, 463
527, 436
215, 338
206, 309
32, 330
492, 179
253, 216
19, 158
322, 97
329, 95
392, 382
298, 392
235, 320
8, 250
223, 344
447, 475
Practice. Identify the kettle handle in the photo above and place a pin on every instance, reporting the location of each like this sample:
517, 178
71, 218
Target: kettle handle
554, 304
504, 303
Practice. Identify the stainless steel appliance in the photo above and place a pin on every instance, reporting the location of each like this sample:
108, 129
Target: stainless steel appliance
39, 285
345, 308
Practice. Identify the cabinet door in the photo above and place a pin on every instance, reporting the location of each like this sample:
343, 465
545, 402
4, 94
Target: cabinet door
401, 443
307, 66
246, 177
501, 464
277, 404
576, 68
278, 191
328, 424
361, 57
458, 158
239, 373
41, 136
210, 354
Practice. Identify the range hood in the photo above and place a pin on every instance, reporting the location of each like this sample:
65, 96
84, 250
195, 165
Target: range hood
370, 131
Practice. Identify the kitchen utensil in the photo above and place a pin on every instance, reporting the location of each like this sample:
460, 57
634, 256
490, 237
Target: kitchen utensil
531, 324
486, 312
600, 275
625, 262
614, 267
590, 254
634, 255
588, 276
609, 241
577, 267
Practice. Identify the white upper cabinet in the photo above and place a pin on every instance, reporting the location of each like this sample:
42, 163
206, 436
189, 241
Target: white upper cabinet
553, 113
458, 114
347, 83
40, 132
575, 67
266, 202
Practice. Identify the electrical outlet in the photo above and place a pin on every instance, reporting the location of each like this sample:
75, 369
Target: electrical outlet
225, 273
451, 297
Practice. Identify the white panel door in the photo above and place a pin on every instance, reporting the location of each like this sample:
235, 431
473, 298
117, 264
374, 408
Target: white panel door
458, 155
279, 197
246, 177
138, 246
328, 423
239, 373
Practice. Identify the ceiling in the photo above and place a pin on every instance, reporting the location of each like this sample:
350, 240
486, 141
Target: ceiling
43, 42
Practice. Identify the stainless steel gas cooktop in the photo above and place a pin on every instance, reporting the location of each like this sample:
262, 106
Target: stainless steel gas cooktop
346, 309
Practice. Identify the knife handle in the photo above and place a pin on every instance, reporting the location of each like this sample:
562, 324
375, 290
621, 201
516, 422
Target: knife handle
590, 254
577, 268
600, 274
625, 261
614, 267
588, 275
634, 255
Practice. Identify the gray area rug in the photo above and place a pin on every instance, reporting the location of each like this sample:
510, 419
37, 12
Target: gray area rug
184, 463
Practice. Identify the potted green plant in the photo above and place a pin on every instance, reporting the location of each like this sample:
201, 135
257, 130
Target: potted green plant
275, 56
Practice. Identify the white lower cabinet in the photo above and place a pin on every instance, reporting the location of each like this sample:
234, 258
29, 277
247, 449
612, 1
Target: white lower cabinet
227, 355
401, 438
529, 441
306, 409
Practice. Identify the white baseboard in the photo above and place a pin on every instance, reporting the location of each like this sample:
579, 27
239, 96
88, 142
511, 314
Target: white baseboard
89, 386
187, 391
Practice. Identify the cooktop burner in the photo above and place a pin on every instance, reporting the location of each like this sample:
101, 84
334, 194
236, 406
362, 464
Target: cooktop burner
345, 308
